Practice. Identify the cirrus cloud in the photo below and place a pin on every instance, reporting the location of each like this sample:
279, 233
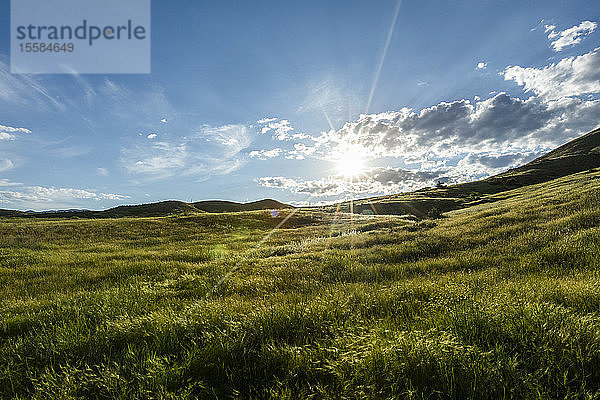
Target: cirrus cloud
207, 151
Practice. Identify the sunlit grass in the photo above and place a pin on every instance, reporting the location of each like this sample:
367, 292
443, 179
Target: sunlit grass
501, 300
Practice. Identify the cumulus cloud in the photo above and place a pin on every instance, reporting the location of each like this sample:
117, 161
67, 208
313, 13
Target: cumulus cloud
569, 37
281, 129
572, 76
8, 132
152, 136
481, 65
388, 180
501, 123
264, 154
452, 128
475, 166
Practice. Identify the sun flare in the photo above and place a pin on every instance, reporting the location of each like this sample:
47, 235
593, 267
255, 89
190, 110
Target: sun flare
350, 163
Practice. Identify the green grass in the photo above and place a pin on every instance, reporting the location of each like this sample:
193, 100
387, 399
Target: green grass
499, 300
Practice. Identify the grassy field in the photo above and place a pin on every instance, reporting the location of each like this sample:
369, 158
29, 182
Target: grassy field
499, 300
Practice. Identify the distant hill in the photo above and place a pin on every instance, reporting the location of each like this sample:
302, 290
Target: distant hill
163, 208
578, 155
216, 206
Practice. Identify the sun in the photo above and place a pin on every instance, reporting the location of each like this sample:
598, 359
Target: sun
350, 162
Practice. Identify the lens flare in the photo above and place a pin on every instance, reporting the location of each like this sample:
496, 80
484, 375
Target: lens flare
350, 162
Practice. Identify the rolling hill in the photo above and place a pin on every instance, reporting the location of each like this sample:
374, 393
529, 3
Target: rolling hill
217, 206
159, 209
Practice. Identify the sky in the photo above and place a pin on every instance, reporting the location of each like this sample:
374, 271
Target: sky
305, 102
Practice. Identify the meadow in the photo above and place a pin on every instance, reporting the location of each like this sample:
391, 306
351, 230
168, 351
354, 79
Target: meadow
498, 300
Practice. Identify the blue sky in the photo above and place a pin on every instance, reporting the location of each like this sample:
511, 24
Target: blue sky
283, 99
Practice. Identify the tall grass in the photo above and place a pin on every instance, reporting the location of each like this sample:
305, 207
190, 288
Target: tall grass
501, 300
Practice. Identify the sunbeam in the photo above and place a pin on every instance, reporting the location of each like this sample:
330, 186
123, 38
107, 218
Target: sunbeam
383, 54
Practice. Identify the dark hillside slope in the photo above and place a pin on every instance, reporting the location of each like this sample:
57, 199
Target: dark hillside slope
575, 156
230, 206
160, 209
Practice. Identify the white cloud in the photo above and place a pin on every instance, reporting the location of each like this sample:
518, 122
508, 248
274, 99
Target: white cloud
13, 130
164, 120
265, 154
266, 120
140, 106
231, 139
26, 90
572, 76
40, 196
376, 180
6, 182
8, 132
449, 129
280, 128
388, 180
481, 65
461, 140
152, 136
208, 151
6, 164
160, 160
102, 171
6, 136
571, 36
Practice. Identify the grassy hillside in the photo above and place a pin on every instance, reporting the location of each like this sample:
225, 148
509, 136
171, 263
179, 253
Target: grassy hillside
498, 300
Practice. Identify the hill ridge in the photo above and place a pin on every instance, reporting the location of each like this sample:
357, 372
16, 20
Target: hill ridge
156, 209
